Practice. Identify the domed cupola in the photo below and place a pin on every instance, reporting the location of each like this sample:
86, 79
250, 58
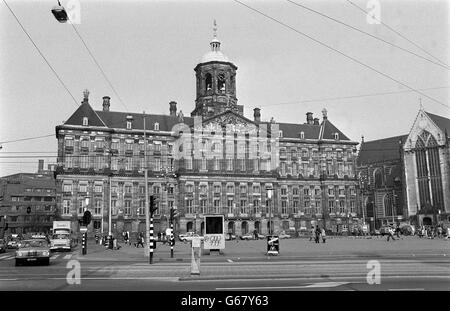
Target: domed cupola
216, 82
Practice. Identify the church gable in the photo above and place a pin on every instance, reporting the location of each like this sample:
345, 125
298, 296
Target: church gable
424, 128
85, 111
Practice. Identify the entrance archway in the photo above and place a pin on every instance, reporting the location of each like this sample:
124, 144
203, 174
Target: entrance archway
231, 227
426, 221
244, 227
258, 226
189, 226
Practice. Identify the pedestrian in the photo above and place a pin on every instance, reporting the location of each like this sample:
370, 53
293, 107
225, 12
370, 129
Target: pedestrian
159, 236
324, 236
164, 237
439, 231
311, 233
255, 233
140, 240
397, 231
390, 234
318, 232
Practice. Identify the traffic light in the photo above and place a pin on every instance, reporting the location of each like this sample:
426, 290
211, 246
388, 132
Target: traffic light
28, 209
87, 218
153, 206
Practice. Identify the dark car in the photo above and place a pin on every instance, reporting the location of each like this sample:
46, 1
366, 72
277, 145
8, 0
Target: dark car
384, 230
36, 250
2, 246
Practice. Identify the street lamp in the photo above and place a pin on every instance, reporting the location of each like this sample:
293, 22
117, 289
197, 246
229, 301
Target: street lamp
60, 13
269, 196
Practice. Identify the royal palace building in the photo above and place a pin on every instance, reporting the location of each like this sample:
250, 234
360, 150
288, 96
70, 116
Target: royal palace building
215, 161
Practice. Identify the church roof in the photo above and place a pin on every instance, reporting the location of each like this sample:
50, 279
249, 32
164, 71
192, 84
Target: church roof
441, 122
380, 150
85, 110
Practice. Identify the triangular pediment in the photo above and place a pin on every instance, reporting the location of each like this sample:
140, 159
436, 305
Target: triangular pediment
227, 119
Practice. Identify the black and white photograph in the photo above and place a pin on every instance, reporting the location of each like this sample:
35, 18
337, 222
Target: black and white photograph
223, 151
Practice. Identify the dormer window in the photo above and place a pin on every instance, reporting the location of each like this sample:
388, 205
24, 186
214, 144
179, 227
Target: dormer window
128, 125
336, 136
156, 126
85, 121
302, 135
129, 122
280, 133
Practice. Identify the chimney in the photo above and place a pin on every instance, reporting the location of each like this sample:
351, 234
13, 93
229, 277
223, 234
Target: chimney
173, 108
316, 121
309, 118
257, 115
40, 166
106, 103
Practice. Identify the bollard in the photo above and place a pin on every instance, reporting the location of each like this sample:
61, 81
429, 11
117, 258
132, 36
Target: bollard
84, 244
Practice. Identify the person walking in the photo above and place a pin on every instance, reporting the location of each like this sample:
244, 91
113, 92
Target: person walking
318, 232
390, 234
312, 232
140, 240
324, 236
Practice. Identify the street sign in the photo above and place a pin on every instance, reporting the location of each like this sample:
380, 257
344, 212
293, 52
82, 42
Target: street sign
273, 245
83, 229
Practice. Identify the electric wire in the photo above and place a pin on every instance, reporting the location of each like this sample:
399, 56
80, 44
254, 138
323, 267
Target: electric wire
42, 55
341, 53
368, 34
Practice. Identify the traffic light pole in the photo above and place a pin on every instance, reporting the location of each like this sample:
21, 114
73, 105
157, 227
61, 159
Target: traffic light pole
84, 243
172, 239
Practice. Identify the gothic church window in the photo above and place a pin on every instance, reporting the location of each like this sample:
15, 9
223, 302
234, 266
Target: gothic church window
221, 82
208, 82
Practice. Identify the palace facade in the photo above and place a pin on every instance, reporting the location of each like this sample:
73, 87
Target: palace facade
215, 161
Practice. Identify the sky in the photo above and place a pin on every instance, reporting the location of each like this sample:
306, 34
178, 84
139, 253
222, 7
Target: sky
148, 51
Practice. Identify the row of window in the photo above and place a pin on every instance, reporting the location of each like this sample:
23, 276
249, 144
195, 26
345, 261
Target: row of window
32, 199
34, 208
129, 123
127, 163
30, 218
127, 189
307, 153
128, 145
39, 190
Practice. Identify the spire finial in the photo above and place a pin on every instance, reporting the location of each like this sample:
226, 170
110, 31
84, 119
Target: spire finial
324, 113
420, 103
86, 95
215, 28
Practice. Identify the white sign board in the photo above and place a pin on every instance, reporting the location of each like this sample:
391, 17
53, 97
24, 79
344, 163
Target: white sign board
83, 229
214, 241
196, 242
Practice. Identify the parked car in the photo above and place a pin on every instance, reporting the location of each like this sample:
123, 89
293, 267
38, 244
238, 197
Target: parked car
375, 232
384, 230
2, 246
13, 242
261, 236
35, 250
283, 235
229, 237
247, 237
188, 236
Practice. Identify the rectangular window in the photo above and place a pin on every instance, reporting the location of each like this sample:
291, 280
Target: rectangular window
68, 161
189, 188
127, 207
66, 207
243, 189
128, 164
98, 188
98, 207
230, 189
283, 191
330, 207
156, 189
217, 206
170, 189
331, 191
255, 206
141, 210
341, 207
189, 206
295, 206
217, 189
229, 164
114, 207
306, 191
284, 207
81, 205
341, 192
128, 189
67, 188
84, 161
243, 206
256, 189
295, 191
230, 203
352, 206
317, 192
83, 187
203, 189
203, 206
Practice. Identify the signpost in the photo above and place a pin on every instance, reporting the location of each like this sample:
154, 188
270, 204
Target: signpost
273, 245
214, 233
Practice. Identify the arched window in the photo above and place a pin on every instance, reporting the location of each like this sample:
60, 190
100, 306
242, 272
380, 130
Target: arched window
208, 81
388, 204
378, 177
221, 82
85, 121
156, 126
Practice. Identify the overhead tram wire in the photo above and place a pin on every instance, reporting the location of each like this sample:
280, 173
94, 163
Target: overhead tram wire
23, 139
343, 54
99, 67
398, 33
352, 96
368, 34
42, 55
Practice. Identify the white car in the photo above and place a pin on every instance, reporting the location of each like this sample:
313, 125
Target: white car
188, 236
247, 237
283, 235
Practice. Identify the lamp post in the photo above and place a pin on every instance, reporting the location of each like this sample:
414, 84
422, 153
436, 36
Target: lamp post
269, 196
